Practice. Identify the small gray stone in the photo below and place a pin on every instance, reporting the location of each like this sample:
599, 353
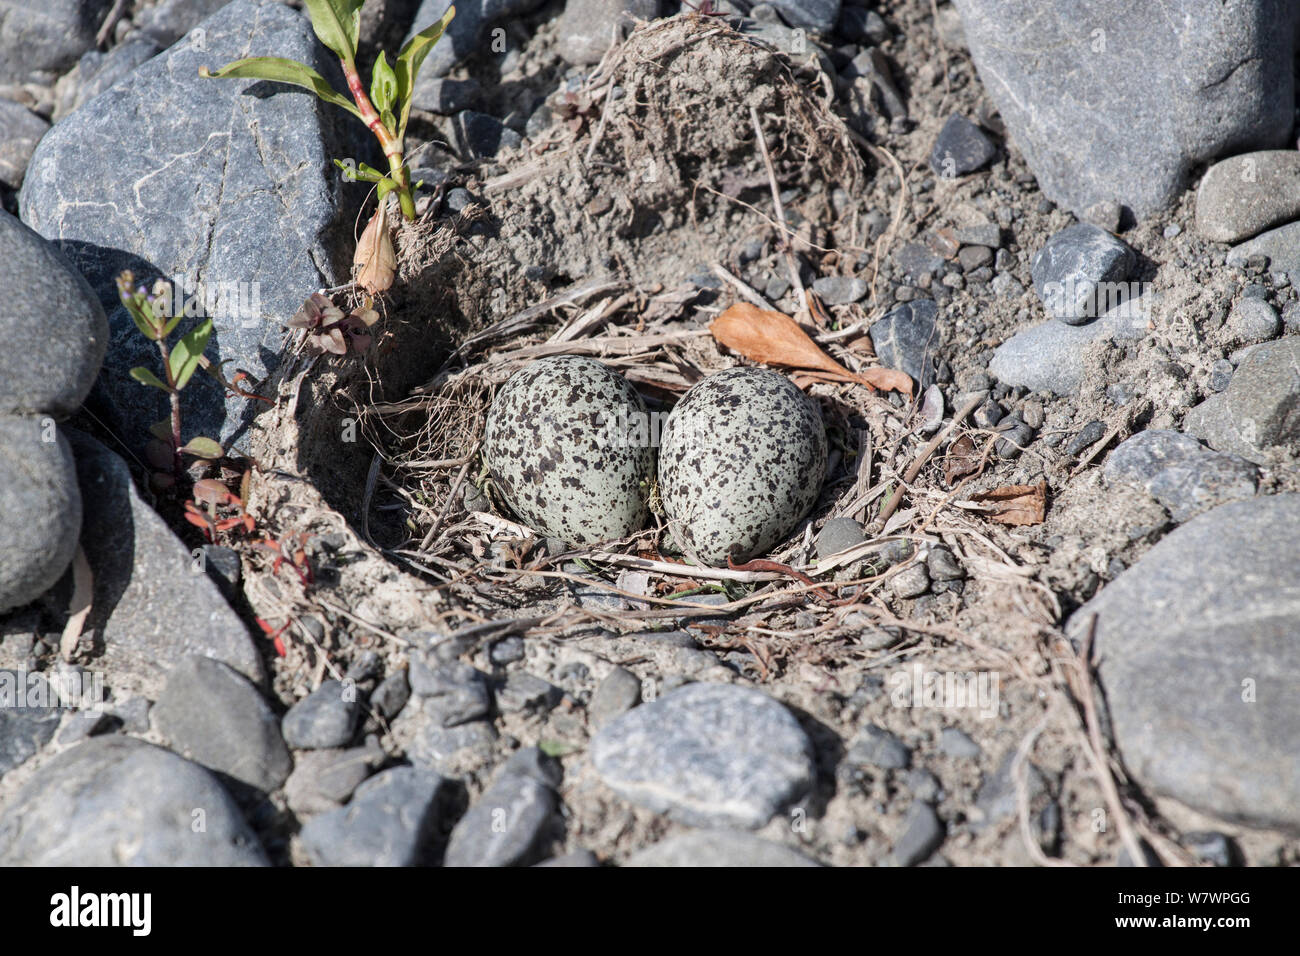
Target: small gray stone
526, 692
973, 257
923, 833
322, 780
507, 826
391, 695
978, 232
1197, 649
707, 754
327, 717
911, 582
724, 848
586, 28
840, 290
1246, 194
508, 650
117, 801
1217, 849
917, 259
960, 148
453, 751
47, 37
455, 692
1078, 272
997, 800
1086, 437
1253, 320
1106, 214
924, 785
1257, 411
957, 744
40, 508
20, 131
618, 693
212, 715
29, 716
1279, 249
874, 746
387, 823
943, 566
1179, 472
479, 136
907, 338
1016, 437
816, 15
1221, 375
838, 534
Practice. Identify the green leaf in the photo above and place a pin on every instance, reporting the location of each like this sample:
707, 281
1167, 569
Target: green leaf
337, 23
170, 327
162, 430
201, 447
187, 353
280, 70
140, 319
360, 171
146, 377
409, 62
383, 85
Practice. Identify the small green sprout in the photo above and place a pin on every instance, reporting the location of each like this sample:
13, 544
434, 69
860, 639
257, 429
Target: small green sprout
385, 109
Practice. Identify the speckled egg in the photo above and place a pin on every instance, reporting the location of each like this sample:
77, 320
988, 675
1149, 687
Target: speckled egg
562, 446
742, 459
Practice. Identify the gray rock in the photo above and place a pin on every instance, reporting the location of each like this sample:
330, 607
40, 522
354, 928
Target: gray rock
973, 257
479, 136
996, 799
916, 259
910, 582
1181, 473
1107, 214
586, 28
1279, 247
615, 695
54, 328
1198, 651
816, 15
907, 338
151, 609
979, 231
943, 566
117, 801
322, 780
836, 535
29, 716
453, 751
1016, 437
456, 692
1093, 127
1247, 194
1220, 375
958, 745
1086, 437
1216, 849
327, 717
923, 833
20, 131
840, 290
391, 695
1078, 273
576, 858
507, 826
524, 692
1049, 357
97, 71
960, 148
40, 508
1259, 409
210, 714
387, 823
724, 848
707, 755
440, 94
874, 746
46, 38
225, 183
172, 19
469, 31
1253, 320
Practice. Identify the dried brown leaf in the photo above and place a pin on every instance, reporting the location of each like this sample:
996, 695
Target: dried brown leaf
963, 459
375, 262
1015, 504
774, 338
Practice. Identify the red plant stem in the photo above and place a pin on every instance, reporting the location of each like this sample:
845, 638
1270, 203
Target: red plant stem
391, 146
174, 396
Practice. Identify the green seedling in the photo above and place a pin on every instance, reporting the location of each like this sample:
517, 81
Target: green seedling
149, 311
385, 108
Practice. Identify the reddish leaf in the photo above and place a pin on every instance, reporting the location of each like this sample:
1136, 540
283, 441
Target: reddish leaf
1015, 504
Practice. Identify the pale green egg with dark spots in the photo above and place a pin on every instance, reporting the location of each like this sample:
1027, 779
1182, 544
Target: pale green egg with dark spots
742, 462
568, 445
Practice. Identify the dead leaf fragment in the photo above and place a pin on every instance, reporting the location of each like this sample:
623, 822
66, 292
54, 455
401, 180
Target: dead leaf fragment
375, 262
1015, 504
774, 338
963, 459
